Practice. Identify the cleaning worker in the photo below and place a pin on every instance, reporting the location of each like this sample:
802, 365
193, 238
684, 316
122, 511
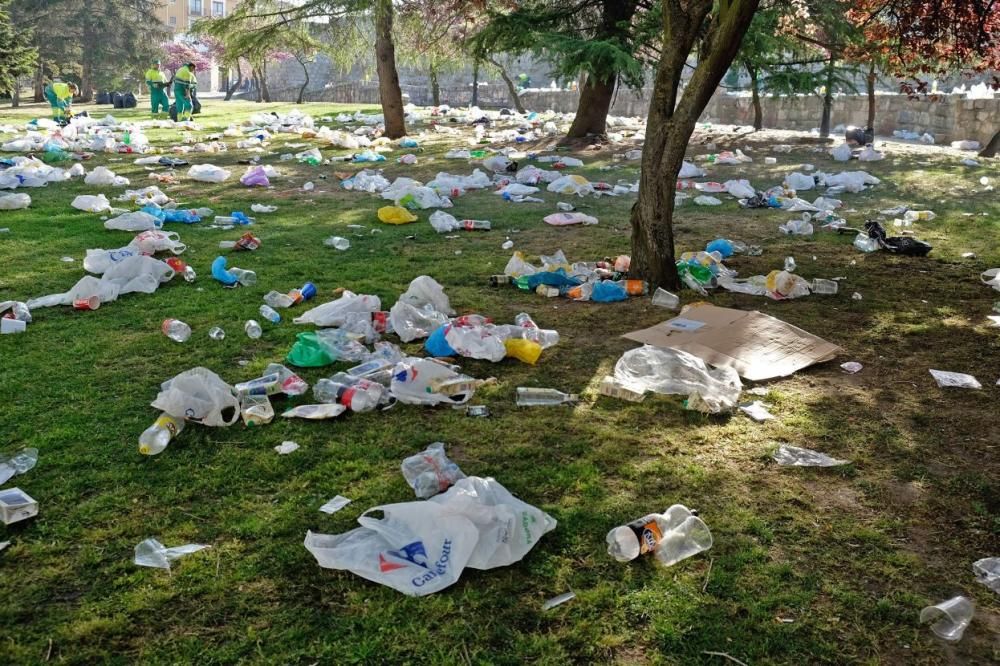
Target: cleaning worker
185, 85
156, 79
60, 97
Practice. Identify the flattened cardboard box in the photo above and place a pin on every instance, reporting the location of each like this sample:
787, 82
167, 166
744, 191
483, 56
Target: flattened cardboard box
758, 346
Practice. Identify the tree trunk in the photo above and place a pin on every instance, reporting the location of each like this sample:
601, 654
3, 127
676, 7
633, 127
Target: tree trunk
758, 111
475, 83
435, 87
992, 147
305, 84
824, 124
511, 88
670, 123
39, 83
239, 82
870, 81
86, 82
265, 93
256, 85
388, 77
592, 109
15, 95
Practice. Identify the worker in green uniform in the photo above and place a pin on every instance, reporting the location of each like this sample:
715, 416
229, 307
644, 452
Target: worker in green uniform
185, 85
60, 97
156, 79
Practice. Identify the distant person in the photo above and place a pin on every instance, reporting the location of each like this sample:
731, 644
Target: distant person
60, 97
157, 81
858, 136
523, 81
185, 87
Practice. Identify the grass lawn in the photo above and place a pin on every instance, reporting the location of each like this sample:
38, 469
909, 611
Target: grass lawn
809, 566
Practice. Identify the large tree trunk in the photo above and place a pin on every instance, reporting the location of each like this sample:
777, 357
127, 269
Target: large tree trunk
265, 92
239, 82
475, 83
388, 78
305, 84
435, 86
86, 82
511, 88
758, 111
39, 84
824, 124
670, 123
992, 147
870, 82
257, 87
592, 109
15, 95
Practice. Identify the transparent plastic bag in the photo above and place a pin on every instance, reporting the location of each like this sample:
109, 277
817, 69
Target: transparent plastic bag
201, 396
671, 371
430, 472
208, 173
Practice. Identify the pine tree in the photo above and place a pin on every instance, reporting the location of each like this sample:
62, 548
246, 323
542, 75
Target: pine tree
17, 57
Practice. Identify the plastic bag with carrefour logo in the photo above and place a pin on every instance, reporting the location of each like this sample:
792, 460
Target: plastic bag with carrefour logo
417, 548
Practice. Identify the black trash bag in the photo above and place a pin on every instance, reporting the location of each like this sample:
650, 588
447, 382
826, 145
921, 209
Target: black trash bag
904, 245
116, 100
103, 98
195, 104
172, 111
129, 101
859, 136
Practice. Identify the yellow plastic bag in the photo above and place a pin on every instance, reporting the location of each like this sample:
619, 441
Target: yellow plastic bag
395, 215
527, 351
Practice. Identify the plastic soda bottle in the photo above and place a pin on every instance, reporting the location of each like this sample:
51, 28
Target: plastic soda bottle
156, 437
176, 330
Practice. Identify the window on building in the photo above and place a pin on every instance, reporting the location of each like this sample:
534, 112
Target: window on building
172, 21
218, 9
195, 7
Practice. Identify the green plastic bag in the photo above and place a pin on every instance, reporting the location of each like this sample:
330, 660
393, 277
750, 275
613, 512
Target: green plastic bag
307, 352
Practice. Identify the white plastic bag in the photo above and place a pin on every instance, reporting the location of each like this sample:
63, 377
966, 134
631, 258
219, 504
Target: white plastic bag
799, 181
336, 313
518, 266
508, 527
199, 395
475, 342
106, 177
577, 185
424, 290
443, 222
416, 548
741, 189
208, 173
689, 170
91, 203
134, 221
412, 323
869, 154
14, 201
430, 472
841, 153
672, 371
705, 200
98, 261
419, 381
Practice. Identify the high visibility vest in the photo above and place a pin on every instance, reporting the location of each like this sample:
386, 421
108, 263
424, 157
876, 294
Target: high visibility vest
62, 90
155, 76
186, 76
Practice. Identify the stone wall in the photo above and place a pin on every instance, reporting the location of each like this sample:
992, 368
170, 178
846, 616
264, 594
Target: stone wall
949, 118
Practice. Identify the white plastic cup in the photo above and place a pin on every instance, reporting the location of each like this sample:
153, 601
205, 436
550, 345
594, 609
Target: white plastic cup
686, 540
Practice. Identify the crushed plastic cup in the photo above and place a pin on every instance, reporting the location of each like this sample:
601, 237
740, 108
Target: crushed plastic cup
987, 571
216, 333
794, 456
665, 299
91, 303
152, 553
949, 618
337, 243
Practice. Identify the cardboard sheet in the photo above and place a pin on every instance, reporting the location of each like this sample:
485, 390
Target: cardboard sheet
758, 346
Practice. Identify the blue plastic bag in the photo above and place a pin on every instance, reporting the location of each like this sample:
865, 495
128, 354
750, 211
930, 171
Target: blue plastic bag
608, 292
436, 344
221, 273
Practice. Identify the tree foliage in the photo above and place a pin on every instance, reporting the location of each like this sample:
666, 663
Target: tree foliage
17, 55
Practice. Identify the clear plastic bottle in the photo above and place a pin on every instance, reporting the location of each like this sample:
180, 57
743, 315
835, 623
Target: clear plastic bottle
642, 536
276, 299
524, 320
918, 215
269, 313
821, 286
203, 212
216, 333
176, 330
252, 329
245, 277
475, 225
156, 437
227, 245
337, 242
358, 395
291, 383
790, 264
542, 397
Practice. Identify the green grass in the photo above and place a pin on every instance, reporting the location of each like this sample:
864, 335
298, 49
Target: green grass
809, 566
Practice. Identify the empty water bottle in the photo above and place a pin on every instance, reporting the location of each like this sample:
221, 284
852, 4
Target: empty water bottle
216, 333
176, 330
180, 266
475, 225
542, 397
156, 437
355, 393
337, 242
790, 264
641, 536
276, 299
821, 286
524, 320
245, 277
252, 329
269, 313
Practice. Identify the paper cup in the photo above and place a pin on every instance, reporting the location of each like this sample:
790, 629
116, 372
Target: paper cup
91, 303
